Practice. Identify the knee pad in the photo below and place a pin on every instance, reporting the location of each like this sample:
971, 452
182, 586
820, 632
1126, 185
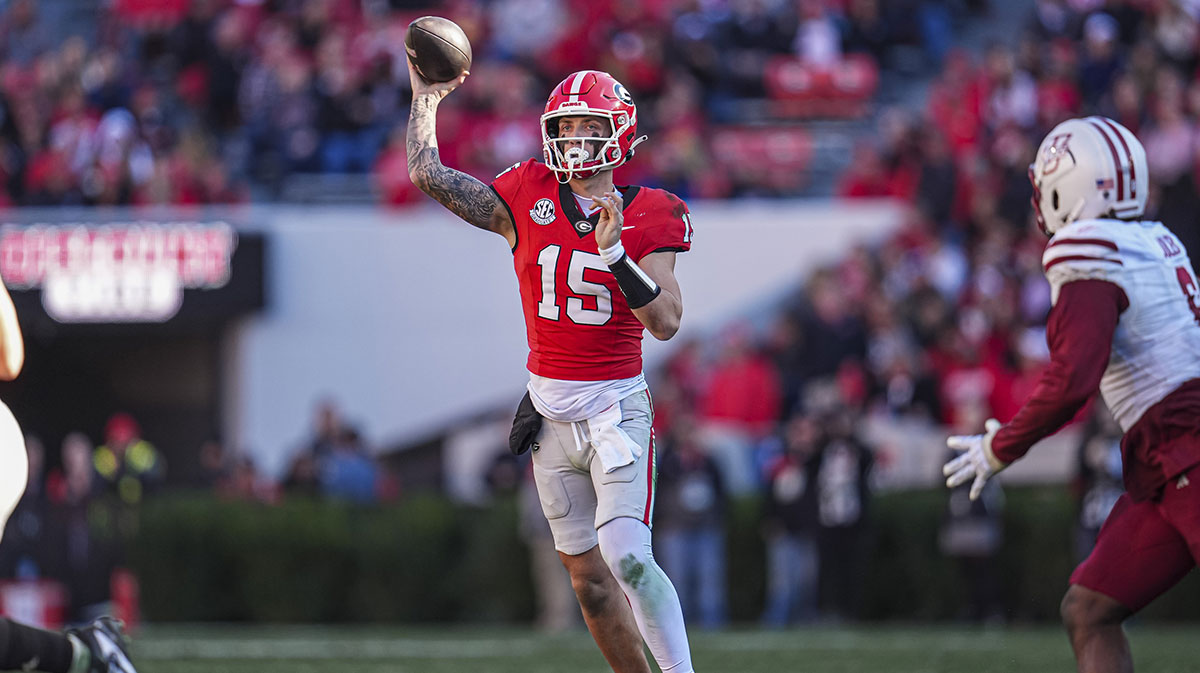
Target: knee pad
625, 546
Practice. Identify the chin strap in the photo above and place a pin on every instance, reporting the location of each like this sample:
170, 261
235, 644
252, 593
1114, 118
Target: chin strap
639, 141
1071, 215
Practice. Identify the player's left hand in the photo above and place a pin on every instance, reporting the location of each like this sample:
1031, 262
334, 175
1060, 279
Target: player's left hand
977, 459
608, 228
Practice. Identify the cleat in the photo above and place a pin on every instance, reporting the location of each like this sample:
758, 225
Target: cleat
106, 640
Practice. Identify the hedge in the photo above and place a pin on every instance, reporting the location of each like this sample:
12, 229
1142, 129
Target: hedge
428, 560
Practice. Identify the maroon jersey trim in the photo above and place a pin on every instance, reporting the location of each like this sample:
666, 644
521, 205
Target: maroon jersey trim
1081, 258
1104, 243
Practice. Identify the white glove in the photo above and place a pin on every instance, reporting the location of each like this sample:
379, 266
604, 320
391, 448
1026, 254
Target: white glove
977, 460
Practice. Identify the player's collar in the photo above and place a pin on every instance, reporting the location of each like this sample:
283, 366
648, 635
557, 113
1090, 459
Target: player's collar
586, 225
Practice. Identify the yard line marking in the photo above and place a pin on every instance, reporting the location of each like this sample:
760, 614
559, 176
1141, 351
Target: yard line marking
286, 649
317, 649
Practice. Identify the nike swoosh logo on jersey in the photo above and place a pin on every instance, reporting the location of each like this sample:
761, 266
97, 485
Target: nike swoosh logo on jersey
624, 228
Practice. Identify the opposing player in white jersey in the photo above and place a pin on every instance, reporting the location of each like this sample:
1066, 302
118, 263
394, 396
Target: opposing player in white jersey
1126, 319
96, 648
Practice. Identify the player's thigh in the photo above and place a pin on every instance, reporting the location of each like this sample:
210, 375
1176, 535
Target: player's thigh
629, 490
14, 465
564, 489
1138, 555
1180, 505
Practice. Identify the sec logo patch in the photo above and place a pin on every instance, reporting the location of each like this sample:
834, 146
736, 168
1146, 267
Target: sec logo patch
542, 212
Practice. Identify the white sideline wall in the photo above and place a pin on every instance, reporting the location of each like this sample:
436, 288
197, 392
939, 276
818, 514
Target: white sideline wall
412, 321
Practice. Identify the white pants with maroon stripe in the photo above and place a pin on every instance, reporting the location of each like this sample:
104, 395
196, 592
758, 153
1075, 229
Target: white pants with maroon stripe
577, 495
579, 498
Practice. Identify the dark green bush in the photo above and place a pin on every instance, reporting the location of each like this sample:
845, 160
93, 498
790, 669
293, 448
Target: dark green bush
427, 560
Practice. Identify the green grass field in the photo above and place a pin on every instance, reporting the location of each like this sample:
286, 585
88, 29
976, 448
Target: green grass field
258, 649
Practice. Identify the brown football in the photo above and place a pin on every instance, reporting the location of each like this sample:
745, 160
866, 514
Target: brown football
438, 48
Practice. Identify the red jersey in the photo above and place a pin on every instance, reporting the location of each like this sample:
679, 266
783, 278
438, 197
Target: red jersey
577, 321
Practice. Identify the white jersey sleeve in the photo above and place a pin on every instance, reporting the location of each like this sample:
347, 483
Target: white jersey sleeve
1156, 347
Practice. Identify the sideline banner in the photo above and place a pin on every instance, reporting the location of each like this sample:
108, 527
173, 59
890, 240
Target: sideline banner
140, 271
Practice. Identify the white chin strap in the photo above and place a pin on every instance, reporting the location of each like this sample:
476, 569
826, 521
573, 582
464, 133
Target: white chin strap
1072, 215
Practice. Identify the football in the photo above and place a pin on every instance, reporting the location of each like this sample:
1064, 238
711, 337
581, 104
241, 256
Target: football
438, 48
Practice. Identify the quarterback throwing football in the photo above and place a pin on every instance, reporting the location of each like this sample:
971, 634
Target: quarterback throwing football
595, 264
1125, 319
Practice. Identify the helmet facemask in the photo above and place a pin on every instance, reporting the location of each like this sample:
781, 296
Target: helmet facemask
583, 156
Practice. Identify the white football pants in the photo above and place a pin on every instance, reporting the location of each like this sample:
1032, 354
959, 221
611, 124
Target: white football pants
14, 465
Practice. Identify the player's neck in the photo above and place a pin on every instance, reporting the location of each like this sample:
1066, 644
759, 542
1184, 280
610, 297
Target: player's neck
594, 186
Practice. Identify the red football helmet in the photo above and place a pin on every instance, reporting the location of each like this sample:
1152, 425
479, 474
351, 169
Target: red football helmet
594, 93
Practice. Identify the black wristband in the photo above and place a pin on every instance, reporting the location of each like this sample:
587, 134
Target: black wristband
638, 288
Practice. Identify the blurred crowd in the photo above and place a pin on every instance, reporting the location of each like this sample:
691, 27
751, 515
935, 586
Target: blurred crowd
81, 508
945, 318
79, 511
217, 101
942, 324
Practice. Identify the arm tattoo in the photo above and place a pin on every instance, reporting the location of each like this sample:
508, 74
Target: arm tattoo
465, 196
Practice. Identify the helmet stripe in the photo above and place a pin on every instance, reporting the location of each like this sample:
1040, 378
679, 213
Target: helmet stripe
1128, 155
1115, 157
575, 86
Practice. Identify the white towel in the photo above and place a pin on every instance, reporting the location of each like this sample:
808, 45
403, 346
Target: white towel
613, 445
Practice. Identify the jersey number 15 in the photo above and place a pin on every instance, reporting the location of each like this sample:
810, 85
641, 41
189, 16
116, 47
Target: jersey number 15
579, 314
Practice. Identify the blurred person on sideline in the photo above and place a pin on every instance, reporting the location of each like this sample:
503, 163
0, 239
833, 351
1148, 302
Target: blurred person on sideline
127, 465
972, 533
557, 608
245, 483
303, 477
739, 407
216, 468
98, 647
843, 495
84, 533
1098, 484
691, 526
790, 524
349, 472
328, 428
595, 265
1126, 320
22, 542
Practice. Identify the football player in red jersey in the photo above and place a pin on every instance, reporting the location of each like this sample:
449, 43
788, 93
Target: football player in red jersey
1126, 319
96, 648
595, 264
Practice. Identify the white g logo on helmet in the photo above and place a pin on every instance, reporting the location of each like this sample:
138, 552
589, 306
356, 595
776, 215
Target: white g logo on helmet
1088, 168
